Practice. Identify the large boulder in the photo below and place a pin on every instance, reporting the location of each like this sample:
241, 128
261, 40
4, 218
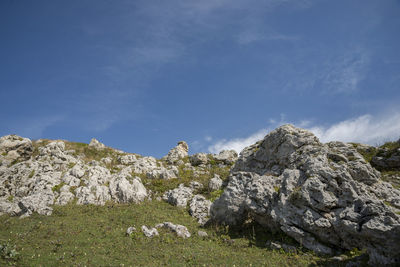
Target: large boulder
325, 196
124, 191
177, 153
200, 209
178, 196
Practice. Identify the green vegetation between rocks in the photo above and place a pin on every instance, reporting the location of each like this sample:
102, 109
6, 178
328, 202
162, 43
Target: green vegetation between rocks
95, 236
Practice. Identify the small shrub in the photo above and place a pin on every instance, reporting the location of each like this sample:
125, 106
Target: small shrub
10, 198
216, 194
32, 174
8, 251
71, 165
57, 188
4, 154
295, 195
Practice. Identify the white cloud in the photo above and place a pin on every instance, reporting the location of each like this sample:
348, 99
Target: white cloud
367, 129
237, 144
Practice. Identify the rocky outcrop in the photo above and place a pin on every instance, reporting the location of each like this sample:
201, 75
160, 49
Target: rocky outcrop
198, 159
228, 157
325, 196
200, 209
55, 176
177, 153
94, 143
387, 159
179, 196
215, 183
14, 147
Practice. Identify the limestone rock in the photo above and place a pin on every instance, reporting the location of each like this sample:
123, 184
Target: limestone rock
179, 230
77, 171
163, 173
39, 202
198, 159
94, 143
20, 147
127, 159
325, 196
202, 234
227, 156
177, 153
200, 209
195, 185
130, 230
152, 232
178, 196
64, 198
124, 191
215, 183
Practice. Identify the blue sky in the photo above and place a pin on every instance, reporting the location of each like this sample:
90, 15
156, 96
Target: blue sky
142, 75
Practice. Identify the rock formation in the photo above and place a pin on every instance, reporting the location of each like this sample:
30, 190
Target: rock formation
325, 196
177, 153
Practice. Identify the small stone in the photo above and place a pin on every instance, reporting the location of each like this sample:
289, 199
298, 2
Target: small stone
202, 234
130, 230
149, 232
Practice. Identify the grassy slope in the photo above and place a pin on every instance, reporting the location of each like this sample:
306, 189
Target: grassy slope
95, 236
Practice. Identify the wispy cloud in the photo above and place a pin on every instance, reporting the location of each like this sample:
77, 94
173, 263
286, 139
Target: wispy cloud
368, 129
35, 127
343, 74
250, 36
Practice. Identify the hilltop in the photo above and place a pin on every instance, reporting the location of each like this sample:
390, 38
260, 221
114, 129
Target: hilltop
284, 196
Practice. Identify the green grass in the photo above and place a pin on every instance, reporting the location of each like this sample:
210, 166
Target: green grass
367, 155
185, 177
95, 236
57, 187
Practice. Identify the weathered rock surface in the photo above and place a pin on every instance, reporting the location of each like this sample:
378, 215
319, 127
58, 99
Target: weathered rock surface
202, 234
179, 196
387, 160
130, 230
55, 177
215, 183
198, 159
200, 209
227, 156
15, 147
179, 230
325, 196
177, 153
96, 144
149, 232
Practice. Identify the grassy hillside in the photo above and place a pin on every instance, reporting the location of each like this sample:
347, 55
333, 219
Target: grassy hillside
95, 236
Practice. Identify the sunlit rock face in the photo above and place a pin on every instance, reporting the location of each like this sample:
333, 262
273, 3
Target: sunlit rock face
326, 196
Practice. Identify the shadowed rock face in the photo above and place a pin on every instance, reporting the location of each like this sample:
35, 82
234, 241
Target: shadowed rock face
326, 196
